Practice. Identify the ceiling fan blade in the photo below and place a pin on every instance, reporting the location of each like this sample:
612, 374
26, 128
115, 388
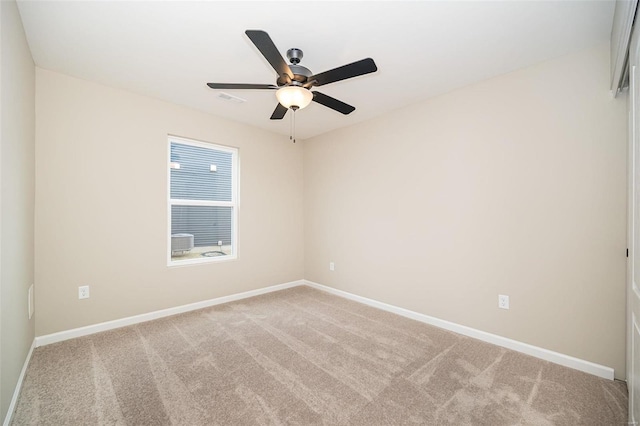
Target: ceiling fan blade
279, 112
269, 50
332, 103
240, 86
354, 69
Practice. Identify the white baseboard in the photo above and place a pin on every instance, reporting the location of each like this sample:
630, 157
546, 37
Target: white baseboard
525, 348
16, 391
123, 322
538, 352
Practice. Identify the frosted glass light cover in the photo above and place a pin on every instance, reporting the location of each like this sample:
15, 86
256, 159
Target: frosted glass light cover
291, 96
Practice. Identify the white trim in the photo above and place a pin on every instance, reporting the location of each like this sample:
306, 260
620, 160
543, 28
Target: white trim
202, 144
633, 294
234, 203
123, 322
16, 391
168, 248
631, 247
624, 14
180, 202
200, 260
635, 330
535, 351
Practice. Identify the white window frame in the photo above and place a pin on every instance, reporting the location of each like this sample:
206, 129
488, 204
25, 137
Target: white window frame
179, 202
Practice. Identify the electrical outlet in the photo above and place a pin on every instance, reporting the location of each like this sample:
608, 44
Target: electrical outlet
503, 301
83, 292
332, 266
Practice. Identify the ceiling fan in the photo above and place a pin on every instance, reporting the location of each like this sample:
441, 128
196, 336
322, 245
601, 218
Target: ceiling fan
295, 81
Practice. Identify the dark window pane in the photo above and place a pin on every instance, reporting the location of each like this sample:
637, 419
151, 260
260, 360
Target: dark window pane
208, 225
194, 180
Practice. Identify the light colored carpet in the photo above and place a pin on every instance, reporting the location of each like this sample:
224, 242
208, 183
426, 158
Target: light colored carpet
302, 356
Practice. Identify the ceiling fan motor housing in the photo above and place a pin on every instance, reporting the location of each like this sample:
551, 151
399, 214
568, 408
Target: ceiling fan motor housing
300, 73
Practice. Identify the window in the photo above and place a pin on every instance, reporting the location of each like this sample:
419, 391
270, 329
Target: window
203, 209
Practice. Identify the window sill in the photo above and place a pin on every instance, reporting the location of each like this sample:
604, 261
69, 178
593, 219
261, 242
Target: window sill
203, 261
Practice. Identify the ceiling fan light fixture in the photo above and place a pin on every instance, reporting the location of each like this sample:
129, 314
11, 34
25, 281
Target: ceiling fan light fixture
294, 97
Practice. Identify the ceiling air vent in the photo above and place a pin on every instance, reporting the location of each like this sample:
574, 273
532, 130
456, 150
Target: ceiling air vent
231, 98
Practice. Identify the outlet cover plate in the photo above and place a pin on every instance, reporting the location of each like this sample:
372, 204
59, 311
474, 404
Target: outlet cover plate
503, 301
83, 292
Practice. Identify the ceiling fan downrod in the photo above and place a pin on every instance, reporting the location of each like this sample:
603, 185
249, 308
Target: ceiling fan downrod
294, 55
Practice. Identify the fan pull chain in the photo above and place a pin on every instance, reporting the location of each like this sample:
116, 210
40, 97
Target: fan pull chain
292, 125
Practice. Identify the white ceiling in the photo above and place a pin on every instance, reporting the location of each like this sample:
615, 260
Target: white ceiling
170, 49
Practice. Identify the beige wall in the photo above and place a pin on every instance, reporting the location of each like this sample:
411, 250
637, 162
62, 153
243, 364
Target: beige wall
516, 186
512, 186
101, 192
17, 123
